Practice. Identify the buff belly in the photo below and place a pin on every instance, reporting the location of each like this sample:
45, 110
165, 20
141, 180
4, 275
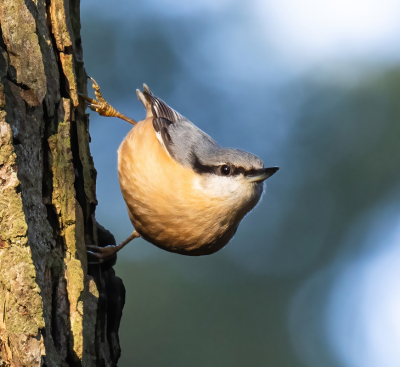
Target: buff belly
163, 205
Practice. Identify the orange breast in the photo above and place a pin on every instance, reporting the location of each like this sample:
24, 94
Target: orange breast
163, 204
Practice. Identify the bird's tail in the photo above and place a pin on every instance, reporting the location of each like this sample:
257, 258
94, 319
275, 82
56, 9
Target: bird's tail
144, 97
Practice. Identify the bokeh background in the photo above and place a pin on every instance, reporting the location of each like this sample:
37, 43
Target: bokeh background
312, 277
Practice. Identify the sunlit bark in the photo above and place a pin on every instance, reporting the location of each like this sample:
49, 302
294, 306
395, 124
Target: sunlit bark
52, 312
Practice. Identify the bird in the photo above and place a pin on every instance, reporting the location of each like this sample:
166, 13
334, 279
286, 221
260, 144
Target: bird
184, 193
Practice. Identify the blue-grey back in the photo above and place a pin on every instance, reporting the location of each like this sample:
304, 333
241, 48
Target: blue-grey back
189, 145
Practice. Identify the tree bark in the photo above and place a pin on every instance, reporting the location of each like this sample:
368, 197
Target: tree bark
55, 310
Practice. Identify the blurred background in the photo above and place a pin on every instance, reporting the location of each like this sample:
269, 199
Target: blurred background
312, 277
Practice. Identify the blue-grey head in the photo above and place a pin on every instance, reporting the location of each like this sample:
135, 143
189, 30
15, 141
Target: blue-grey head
221, 172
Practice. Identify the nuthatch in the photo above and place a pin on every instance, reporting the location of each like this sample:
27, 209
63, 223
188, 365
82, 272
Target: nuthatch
184, 193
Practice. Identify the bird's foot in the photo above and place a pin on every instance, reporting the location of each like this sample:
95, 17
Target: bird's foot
102, 253
105, 253
101, 106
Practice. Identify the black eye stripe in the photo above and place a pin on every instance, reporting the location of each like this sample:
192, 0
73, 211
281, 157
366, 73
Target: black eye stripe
240, 170
202, 168
216, 170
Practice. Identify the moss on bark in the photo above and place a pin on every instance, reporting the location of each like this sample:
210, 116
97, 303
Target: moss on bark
52, 311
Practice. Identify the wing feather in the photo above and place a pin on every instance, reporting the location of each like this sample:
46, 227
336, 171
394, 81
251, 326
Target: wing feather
181, 138
161, 109
160, 125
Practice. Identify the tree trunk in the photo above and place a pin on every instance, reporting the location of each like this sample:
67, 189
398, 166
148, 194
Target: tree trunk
54, 311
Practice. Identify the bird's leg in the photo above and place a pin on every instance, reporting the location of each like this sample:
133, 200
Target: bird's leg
104, 253
101, 106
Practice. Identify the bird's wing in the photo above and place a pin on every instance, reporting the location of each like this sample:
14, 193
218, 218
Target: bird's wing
183, 141
161, 109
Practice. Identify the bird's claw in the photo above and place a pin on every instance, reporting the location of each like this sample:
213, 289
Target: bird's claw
102, 253
101, 106
107, 252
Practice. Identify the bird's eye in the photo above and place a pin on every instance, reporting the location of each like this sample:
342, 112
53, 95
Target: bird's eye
225, 170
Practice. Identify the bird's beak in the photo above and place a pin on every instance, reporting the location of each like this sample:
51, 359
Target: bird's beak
262, 174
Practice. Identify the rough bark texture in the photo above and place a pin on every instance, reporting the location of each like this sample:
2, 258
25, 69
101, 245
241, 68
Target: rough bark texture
54, 311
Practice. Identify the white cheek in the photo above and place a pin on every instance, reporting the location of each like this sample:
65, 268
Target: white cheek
216, 186
234, 189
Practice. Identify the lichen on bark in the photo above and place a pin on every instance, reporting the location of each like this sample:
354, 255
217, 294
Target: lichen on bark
21, 309
52, 312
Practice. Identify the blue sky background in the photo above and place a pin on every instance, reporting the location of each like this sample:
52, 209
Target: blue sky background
311, 277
